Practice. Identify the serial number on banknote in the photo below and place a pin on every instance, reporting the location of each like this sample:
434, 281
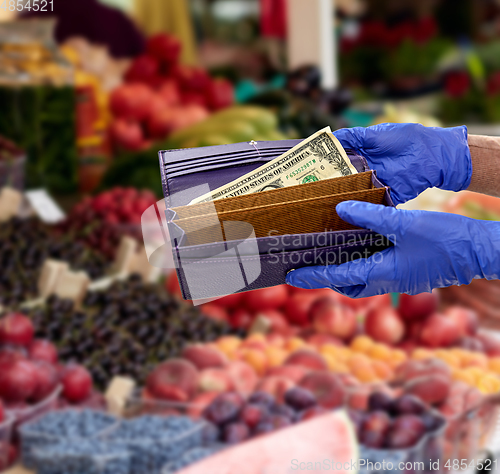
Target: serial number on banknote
301, 169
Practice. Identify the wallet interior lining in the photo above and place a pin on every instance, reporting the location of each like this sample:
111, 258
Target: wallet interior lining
298, 217
327, 187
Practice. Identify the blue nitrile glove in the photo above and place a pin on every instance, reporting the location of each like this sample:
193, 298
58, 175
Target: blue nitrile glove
431, 250
409, 158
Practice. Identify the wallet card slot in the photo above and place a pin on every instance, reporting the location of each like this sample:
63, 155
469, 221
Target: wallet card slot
259, 160
326, 187
187, 154
226, 161
297, 217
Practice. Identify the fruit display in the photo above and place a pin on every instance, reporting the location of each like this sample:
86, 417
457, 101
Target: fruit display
100, 221
80, 442
122, 330
160, 96
25, 244
33, 381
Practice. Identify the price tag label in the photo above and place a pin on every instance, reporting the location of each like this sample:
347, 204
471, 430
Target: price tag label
44, 206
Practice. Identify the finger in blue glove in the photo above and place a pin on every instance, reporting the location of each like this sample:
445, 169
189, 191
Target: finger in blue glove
431, 250
409, 158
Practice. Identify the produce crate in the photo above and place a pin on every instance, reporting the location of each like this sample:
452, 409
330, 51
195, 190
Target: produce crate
41, 119
6, 429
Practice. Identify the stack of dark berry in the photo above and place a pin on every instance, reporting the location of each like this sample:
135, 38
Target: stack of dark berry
25, 244
123, 330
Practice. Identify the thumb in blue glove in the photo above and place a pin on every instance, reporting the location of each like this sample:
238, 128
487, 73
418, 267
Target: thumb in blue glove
431, 250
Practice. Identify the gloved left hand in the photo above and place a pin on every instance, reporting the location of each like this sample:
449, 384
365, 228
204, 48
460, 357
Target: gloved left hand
431, 250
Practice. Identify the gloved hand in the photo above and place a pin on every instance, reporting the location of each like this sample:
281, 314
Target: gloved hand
431, 250
409, 158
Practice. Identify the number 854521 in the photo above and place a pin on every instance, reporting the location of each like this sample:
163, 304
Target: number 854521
28, 5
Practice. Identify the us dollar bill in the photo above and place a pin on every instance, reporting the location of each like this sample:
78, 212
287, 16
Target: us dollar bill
321, 156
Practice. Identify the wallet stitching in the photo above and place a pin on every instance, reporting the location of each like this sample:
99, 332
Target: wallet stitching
266, 257
208, 246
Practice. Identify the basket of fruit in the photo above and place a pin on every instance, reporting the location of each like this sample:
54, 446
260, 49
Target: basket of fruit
59, 427
6, 431
82, 457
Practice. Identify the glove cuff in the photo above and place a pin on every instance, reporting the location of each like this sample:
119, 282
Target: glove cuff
457, 169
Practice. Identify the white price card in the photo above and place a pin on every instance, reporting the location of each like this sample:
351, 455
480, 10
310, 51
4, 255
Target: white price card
44, 206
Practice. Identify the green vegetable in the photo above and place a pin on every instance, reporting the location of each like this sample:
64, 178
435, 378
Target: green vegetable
41, 119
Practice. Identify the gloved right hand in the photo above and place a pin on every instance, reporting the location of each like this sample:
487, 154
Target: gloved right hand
409, 158
431, 250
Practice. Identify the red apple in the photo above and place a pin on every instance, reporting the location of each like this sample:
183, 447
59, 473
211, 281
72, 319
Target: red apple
267, 298
164, 47
77, 383
241, 318
220, 94
2, 412
43, 350
142, 69
385, 325
127, 134
439, 331
18, 381
298, 306
466, 319
194, 98
162, 122
169, 92
279, 323
47, 378
176, 380
414, 307
132, 101
334, 319
191, 79
15, 328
